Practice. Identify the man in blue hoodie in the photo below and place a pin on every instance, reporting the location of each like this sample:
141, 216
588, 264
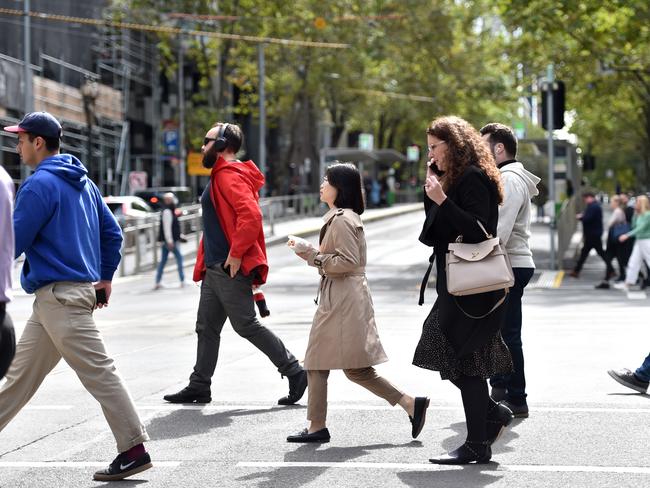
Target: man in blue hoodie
70, 240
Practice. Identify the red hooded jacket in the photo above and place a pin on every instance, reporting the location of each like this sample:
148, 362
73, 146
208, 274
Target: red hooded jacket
234, 189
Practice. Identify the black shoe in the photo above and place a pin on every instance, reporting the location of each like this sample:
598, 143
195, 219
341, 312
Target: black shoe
519, 411
122, 468
419, 415
189, 395
498, 394
603, 285
322, 436
470, 452
498, 419
297, 387
627, 378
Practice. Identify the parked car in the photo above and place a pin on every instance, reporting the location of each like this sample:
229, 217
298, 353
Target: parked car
129, 209
154, 195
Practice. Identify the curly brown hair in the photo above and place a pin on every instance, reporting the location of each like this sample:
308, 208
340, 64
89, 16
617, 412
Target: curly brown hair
464, 148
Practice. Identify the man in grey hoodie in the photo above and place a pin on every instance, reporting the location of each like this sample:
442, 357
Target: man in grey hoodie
514, 230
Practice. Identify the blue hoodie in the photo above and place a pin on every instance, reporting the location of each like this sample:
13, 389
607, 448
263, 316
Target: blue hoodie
64, 227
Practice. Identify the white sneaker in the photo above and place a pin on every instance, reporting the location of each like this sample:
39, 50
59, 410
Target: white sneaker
621, 285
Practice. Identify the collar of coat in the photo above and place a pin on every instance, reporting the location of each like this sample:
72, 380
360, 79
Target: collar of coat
346, 212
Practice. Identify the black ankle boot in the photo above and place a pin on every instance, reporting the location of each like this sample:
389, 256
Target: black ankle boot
297, 387
498, 418
470, 452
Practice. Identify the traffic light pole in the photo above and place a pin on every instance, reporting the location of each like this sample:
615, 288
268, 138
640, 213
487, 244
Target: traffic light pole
551, 161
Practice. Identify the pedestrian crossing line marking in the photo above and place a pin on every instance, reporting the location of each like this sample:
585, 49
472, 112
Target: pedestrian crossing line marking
436, 467
369, 408
49, 407
75, 464
636, 295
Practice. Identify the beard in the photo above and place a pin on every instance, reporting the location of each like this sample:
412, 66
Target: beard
209, 158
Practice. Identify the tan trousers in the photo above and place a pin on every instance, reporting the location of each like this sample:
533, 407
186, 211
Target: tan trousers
62, 325
366, 377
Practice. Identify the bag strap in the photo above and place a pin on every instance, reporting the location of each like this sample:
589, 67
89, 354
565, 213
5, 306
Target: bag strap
459, 239
497, 305
425, 280
489, 236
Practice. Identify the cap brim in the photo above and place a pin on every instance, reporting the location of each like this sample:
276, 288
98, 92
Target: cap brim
15, 128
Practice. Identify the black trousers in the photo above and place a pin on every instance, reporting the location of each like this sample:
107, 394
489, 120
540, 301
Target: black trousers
592, 242
7, 342
515, 382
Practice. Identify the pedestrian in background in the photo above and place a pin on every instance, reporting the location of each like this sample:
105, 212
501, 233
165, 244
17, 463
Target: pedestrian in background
592, 231
7, 335
465, 350
519, 186
71, 240
641, 251
231, 260
616, 226
343, 333
170, 236
637, 380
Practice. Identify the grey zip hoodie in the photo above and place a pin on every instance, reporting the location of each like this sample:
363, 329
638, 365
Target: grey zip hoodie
519, 187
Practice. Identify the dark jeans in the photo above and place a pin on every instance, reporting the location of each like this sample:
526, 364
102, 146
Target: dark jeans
515, 382
7, 343
621, 251
643, 372
223, 297
592, 242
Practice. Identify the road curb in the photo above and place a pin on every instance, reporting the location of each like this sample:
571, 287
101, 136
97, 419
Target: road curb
312, 230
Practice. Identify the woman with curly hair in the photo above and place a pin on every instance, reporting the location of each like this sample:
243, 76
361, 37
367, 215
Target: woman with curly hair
461, 336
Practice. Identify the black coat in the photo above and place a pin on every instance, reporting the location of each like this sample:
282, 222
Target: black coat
473, 196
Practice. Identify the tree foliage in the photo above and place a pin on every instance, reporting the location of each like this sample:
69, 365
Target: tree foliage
601, 49
450, 52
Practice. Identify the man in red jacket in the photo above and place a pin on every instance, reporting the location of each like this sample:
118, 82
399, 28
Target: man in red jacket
231, 259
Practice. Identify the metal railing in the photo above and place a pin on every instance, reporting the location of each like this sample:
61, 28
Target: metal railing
288, 207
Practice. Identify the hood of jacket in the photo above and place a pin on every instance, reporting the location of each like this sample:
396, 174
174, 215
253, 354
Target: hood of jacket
66, 167
529, 178
248, 169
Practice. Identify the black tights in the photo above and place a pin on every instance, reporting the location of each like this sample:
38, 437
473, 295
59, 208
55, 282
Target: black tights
477, 404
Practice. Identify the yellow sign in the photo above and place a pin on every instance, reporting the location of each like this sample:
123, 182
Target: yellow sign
195, 165
320, 23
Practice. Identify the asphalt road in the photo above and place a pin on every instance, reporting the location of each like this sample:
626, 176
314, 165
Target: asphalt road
585, 430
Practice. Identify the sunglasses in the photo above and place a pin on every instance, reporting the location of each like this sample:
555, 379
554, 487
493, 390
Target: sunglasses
206, 140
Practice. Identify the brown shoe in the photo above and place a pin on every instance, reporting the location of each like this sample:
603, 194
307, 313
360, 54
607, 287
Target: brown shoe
574, 274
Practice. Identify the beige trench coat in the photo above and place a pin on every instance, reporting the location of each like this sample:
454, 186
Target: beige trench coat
343, 334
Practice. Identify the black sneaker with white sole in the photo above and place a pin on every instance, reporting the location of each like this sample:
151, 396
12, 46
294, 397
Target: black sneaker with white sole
122, 468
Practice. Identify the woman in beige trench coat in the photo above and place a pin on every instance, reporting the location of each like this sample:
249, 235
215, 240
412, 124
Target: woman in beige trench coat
343, 334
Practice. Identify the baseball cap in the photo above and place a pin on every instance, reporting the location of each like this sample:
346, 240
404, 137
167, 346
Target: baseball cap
38, 123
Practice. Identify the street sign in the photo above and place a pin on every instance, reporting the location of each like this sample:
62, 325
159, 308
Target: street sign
413, 153
137, 180
195, 165
520, 129
170, 141
366, 141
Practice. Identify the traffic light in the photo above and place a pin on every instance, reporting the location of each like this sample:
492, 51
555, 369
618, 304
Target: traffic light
588, 162
558, 106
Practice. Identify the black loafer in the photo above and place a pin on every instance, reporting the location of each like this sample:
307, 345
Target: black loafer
297, 387
498, 419
470, 452
419, 415
322, 436
189, 395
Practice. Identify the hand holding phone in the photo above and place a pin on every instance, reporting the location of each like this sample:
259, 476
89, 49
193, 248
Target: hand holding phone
101, 297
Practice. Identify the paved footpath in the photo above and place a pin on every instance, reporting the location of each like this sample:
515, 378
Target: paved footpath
585, 430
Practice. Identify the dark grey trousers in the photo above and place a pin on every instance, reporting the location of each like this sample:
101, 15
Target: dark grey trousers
223, 297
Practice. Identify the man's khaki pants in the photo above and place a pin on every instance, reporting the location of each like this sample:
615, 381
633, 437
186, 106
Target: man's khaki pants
62, 325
